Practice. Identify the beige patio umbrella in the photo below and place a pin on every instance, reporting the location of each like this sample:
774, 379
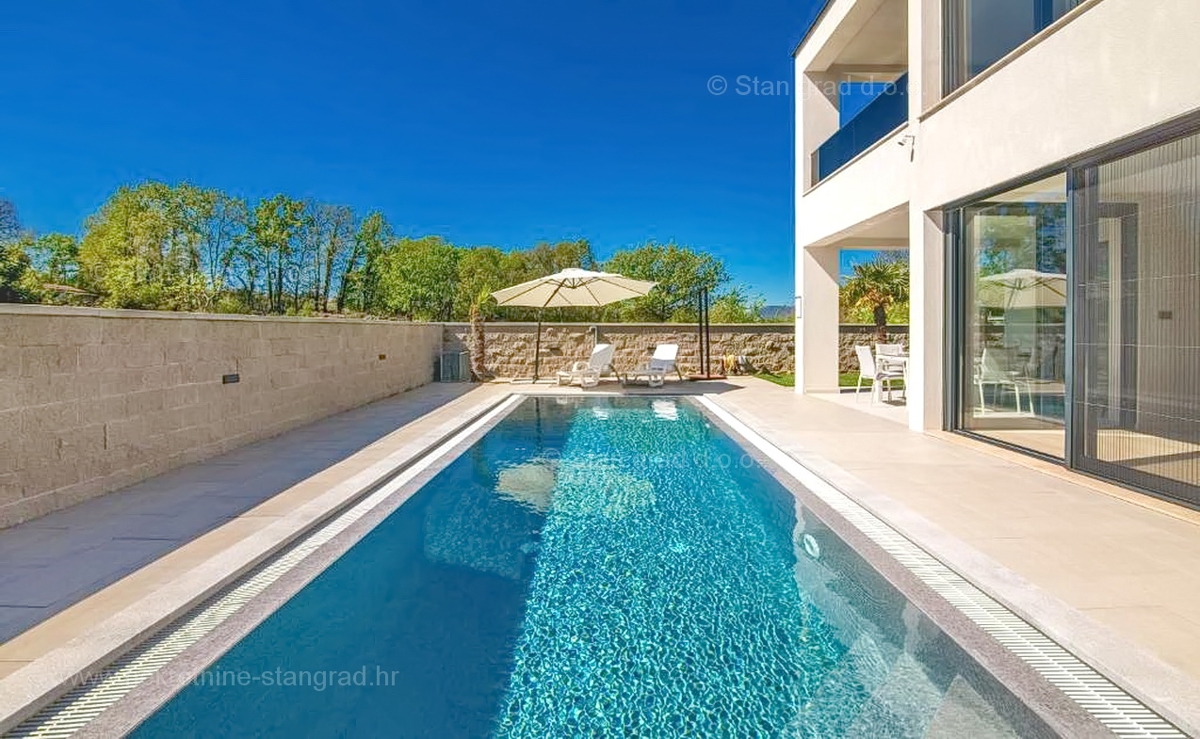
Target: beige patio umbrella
571, 288
1023, 288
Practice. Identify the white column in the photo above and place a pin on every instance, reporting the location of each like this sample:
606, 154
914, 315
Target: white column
816, 268
926, 320
817, 320
926, 235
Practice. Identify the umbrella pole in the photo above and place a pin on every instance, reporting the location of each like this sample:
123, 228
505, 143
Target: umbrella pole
537, 344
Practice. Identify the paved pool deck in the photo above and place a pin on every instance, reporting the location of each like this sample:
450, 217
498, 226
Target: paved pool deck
1107, 572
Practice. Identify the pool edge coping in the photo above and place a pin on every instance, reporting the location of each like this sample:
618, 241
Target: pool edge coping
143, 701
1054, 709
827, 471
40, 683
1055, 619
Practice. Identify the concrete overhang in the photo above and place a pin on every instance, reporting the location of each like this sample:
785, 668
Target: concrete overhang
885, 231
857, 36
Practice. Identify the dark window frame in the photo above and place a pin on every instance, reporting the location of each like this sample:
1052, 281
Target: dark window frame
955, 274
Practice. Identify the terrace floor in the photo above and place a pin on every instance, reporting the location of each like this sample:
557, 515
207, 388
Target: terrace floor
1106, 572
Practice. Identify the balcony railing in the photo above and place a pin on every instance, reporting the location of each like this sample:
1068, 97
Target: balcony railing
879, 118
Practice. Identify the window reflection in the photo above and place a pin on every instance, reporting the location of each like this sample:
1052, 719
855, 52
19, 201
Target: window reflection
1015, 345
1139, 329
983, 31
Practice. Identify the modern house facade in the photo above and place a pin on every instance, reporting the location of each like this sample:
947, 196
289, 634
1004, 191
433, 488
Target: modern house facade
1039, 160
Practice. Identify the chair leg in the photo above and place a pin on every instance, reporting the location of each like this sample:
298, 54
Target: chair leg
858, 390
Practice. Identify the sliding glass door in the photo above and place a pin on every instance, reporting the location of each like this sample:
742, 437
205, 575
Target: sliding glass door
1013, 369
1138, 319
1085, 286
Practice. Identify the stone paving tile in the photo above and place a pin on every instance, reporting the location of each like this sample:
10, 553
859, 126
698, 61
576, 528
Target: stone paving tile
82, 549
1126, 560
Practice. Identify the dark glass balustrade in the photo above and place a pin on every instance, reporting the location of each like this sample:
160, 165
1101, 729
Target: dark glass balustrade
879, 118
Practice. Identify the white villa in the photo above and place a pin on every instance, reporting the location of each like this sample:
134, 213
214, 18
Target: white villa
1040, 161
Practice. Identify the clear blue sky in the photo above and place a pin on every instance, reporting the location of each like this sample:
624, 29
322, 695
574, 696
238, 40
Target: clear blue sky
487, 123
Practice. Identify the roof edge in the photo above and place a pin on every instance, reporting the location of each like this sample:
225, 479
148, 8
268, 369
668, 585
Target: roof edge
812, 27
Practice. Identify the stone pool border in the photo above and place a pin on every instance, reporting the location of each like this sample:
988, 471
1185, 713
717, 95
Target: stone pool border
1036, 695
34, 687
1105, 697
143, 701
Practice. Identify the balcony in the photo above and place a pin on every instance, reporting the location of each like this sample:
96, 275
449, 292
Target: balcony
884, 114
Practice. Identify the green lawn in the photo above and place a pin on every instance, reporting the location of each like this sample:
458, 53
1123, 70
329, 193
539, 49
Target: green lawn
845, 379
786, 379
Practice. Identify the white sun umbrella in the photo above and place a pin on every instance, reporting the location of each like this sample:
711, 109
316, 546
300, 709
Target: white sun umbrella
571, 288
1023, 288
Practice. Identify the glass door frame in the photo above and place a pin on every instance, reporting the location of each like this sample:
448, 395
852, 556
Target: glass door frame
1082, 204
957, 314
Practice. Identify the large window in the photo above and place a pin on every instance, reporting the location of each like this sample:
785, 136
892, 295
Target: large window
1137, 402
980, 32
1075, 317
1012, 316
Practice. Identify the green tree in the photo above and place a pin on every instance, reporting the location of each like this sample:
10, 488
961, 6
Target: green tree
141, 249
334, 228
56, 257
360, 283
276, 227
878, 285
735, 307
224, 236
680, 272
481, 270
478, 340
418, 278
18, 282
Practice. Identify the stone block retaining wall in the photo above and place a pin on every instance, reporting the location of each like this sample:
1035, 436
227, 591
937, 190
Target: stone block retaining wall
510, 346
94, 400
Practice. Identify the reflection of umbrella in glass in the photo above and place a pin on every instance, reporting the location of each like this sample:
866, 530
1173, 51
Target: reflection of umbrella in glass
570, 288
1023, 288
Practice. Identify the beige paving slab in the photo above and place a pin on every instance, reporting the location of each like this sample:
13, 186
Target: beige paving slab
7, 667
1107, 572
109, 608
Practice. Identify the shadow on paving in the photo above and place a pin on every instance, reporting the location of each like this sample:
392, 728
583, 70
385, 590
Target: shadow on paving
53, 562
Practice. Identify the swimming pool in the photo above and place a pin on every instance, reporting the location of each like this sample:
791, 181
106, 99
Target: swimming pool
599, 567
595, 566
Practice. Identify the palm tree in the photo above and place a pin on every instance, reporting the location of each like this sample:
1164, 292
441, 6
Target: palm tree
479, 370
877, 285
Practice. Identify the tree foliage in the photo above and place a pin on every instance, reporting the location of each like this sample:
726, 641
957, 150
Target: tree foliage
878, 286
681, 272
10, 222
181, 247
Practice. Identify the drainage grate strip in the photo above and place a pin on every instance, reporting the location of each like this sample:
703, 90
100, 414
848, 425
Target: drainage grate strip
1121, 713
99, 691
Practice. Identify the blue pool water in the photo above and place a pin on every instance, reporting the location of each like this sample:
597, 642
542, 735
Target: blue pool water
602, 567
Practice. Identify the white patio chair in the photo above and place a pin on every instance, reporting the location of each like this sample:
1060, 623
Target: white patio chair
993, 370
660, 365
892, 356
588, 373
879, 377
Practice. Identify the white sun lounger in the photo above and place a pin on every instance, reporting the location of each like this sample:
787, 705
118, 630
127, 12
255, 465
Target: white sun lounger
660, 365
588, 373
